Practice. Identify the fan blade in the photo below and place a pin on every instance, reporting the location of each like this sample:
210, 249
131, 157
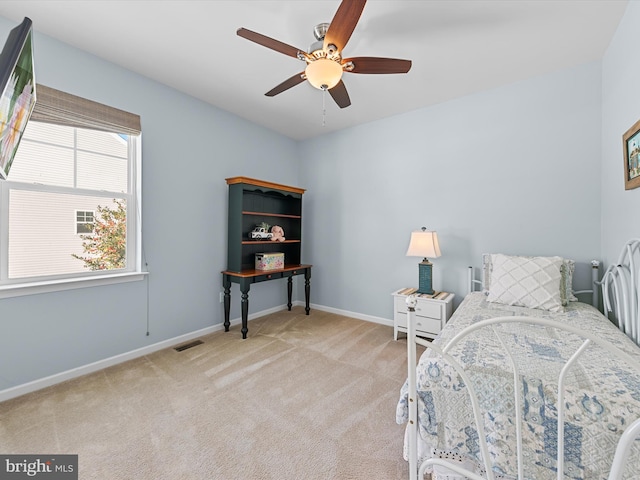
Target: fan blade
340, 95
343, 23
286, 85
268, 42
377, 65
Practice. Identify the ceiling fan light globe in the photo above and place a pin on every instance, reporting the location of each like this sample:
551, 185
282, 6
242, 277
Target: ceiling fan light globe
323, 73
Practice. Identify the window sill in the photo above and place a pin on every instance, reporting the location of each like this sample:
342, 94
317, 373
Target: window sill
34, 288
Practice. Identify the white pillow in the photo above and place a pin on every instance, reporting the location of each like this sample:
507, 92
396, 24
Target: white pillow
532, 282
566, 281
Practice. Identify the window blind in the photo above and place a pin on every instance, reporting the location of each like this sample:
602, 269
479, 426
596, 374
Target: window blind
61, 108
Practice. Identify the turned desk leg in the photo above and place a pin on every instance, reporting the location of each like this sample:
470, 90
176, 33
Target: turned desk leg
307, 289
244, 289
226, 283
289, 292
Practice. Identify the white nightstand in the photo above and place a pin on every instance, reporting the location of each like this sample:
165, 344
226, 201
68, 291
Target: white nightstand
431, 313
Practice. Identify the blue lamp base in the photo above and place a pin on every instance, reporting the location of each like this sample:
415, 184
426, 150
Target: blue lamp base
425, 277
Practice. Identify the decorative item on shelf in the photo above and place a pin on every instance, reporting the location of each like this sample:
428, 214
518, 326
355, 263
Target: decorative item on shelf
269, 261
278, 233
424, 244
261, 232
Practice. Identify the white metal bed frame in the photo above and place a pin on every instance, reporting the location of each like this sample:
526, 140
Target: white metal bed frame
620, 290
620, 286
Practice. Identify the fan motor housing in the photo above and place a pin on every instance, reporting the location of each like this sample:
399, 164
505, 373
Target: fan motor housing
320, 30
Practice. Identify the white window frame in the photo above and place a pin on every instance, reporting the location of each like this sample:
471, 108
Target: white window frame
133, 270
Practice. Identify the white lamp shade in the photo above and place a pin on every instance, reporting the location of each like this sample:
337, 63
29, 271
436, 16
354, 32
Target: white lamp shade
323, 72
424, 244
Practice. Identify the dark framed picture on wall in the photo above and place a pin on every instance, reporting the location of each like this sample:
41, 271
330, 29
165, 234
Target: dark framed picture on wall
631, 149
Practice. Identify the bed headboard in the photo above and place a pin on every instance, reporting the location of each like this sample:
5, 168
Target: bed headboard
620, 286
475, 284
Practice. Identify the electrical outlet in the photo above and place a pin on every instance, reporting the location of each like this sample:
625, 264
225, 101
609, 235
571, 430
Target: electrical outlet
221, 297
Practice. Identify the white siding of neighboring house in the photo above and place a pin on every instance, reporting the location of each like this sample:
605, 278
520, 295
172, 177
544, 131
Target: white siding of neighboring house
42, 224
42, 234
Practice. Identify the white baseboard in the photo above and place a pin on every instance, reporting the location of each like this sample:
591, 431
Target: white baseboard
34, 385
347, 313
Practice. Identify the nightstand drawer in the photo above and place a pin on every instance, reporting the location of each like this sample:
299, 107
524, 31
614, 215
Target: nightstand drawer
424, 308
428, 309
423, 324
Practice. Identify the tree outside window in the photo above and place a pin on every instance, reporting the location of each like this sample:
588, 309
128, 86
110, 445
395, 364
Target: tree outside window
106, 248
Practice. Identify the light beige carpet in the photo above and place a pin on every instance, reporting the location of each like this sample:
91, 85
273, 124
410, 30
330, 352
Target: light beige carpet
304, 397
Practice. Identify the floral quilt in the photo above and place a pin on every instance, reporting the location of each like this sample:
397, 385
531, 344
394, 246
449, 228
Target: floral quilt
602, 396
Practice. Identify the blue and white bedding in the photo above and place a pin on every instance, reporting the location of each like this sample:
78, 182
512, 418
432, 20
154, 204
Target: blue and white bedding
602, 397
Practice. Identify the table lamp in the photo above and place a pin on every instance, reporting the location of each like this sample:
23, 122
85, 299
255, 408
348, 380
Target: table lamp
424, 244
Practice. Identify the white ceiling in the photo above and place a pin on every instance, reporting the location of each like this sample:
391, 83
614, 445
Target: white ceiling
457, 47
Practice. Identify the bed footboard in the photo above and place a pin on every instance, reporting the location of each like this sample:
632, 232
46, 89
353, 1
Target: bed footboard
412, 400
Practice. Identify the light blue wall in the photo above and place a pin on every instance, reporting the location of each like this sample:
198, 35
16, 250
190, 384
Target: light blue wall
189, 148
620, 110
513, 170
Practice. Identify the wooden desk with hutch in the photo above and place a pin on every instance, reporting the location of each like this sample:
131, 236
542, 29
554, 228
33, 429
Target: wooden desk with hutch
252, 202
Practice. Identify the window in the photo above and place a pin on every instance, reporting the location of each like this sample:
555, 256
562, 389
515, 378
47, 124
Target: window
84, 221
70, 206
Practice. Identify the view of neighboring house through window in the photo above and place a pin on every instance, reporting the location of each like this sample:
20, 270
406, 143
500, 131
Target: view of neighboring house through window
72, 206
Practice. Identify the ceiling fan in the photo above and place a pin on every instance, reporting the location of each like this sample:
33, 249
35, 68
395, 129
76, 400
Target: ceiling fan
325, 64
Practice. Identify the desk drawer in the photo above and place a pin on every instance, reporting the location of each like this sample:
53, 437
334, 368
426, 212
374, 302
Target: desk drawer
267, 276
291, 273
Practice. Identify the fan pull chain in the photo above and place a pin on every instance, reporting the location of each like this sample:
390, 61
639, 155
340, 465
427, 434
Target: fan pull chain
324, 108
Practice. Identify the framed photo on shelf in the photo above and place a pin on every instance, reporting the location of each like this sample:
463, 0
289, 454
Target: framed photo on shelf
631, 149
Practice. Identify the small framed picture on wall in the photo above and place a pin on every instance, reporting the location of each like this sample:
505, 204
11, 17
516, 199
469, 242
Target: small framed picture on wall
631, 149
